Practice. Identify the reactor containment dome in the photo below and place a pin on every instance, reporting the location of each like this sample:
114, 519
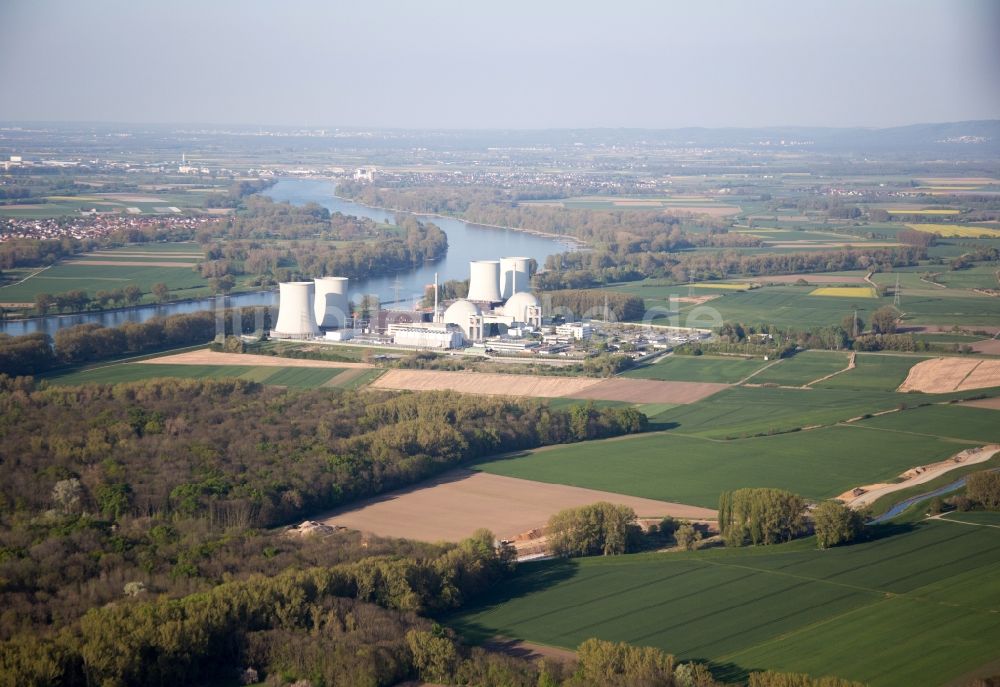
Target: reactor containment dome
466, 315
296, 311
484, 281
523, 307
331, 307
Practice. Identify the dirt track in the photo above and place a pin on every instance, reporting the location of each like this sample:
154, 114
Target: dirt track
207, 357
943, 375
454, 505
485, 383
914, 476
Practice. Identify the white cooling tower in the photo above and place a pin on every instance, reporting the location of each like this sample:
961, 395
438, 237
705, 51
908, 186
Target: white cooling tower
515, 276
484, 281
296, 315
331, 302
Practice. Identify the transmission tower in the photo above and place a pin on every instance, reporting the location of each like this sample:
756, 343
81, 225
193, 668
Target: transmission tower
396, 284
895, 293
854, 325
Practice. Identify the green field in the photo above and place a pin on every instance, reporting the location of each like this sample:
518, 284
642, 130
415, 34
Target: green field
184, 281
956, 421
817, 464
874, 372
802, 368
791, 306
744, 411
298, 377
917, 608
990, 518
702, 368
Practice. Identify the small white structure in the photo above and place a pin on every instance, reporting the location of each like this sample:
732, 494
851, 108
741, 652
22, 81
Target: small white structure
484, 281
524, 307
575, 330
296, 316
331, 305
426, 335
515, 276
364, 174
467, 316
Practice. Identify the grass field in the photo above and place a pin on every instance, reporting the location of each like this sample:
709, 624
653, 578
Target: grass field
955, 230
957, 421
874, 372
744, 411
703, 368
976, 517
844, 291
802, 368
297, 377
671, 467
928, 598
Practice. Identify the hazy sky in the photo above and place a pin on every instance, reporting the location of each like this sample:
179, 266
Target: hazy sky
504, 63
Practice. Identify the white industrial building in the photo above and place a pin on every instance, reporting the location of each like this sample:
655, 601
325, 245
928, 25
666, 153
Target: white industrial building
296, 311
575, 330
427, 335
467, 316
524, 308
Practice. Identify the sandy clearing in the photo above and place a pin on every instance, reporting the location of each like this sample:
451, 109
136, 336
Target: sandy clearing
130, 263
457, 503
485, 383
131, 197
945, 329
991, 403
16, 305
649, 391
919, 475
810, 278
208, 357
943, 375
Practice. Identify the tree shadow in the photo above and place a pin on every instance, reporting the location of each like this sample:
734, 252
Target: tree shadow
529, 578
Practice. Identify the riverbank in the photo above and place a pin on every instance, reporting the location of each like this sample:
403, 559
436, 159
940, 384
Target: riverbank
571, 241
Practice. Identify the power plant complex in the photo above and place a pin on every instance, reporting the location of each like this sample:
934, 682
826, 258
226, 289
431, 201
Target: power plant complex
499, 307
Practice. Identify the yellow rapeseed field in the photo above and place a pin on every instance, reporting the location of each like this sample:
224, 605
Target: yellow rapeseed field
959, 230
844, 291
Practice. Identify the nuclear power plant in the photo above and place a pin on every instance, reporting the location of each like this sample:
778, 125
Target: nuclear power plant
498, 308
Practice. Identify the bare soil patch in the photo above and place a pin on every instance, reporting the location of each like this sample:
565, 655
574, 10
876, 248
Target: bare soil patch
649, 391
989, 346
484, 383
528, 650
991, 403
207, 357
457, 503
942, 375
131, 263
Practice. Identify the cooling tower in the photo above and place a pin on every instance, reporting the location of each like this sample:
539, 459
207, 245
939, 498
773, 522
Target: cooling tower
515, 276
296, 315
331, 302
484, 281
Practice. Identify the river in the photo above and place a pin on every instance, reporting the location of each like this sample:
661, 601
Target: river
466, 242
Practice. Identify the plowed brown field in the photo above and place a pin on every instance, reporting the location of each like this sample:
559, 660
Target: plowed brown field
454, 505
649, 391
207, 357
485, 383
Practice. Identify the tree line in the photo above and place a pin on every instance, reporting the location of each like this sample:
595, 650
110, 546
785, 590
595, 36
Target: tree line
35, 353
